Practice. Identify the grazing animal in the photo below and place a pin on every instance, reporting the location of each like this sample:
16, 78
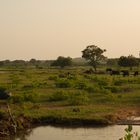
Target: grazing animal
115, 72
125, 73
108, 70
90, 71
62, 75
136, 73
76, 110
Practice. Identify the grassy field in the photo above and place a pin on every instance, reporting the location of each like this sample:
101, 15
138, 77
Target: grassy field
68, 96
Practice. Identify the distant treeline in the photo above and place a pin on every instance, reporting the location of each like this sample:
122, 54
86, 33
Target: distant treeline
40, 63
46, 63
22, 63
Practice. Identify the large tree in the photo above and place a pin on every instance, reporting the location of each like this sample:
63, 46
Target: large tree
94, 55
128, 61
62, 61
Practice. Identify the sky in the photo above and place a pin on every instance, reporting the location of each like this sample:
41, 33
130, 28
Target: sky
46, 29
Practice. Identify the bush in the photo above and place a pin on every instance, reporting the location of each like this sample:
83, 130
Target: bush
72, 77
63, 83
2, 114
27, 87
17, 99
58, 96
23, 97
62, 76
53, 78
78, 98
113, 89
81, 85
127, 89
102, 81
119, 82
30, 97
3, 93
130, 135
92, 89
35, 84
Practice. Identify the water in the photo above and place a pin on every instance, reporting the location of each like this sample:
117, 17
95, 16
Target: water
98, 133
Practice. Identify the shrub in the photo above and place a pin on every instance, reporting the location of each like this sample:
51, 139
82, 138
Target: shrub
119, 82
63, 83
113, 89
17, 99
34, 84
2, 114
62, 76
23, 97
92, 89
72, 77
58, 96
78, 98
103, 82
38, 84
30, 97
130, 135
127, 89
81, 85
53, 78
28, 86
3, 93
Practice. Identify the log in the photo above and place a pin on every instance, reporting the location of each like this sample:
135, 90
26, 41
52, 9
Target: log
14, 125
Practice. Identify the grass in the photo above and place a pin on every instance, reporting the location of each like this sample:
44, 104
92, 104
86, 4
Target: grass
42, 94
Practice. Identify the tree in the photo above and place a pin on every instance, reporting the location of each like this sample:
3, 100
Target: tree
62, 61
112, 62
94, 55
128, 61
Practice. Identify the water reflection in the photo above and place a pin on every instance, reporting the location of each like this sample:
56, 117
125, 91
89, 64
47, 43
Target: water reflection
56, 133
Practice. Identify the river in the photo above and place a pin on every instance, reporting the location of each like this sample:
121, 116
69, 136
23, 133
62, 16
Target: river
97, 133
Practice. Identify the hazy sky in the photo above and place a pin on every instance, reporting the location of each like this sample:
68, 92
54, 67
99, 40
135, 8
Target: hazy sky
45, 29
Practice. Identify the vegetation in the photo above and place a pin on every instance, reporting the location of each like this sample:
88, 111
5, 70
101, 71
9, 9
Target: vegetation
129, 61
62, 61
94, 55
130, 135
34, 92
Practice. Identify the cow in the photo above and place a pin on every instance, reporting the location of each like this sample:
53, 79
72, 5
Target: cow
115, 72
90, 71
136, 73
108, 70
125, 73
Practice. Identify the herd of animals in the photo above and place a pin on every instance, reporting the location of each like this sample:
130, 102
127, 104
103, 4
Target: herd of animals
114, 72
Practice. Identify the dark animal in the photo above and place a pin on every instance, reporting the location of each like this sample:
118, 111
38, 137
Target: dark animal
108, 70
76, 110
62, 75
115, 72
90, 71
125, 72
4, 94
136, 73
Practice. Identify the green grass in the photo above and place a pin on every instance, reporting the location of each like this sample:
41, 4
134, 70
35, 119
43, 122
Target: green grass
45, 93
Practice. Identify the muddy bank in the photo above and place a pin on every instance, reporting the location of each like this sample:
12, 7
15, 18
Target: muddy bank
14, 124
25, 124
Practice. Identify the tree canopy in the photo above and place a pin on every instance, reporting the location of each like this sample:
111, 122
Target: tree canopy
62, 61
128, 61
94, 55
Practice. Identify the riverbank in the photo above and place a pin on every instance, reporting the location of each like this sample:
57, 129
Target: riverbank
64, 117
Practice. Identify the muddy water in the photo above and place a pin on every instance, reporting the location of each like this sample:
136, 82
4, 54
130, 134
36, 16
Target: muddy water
97, 133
